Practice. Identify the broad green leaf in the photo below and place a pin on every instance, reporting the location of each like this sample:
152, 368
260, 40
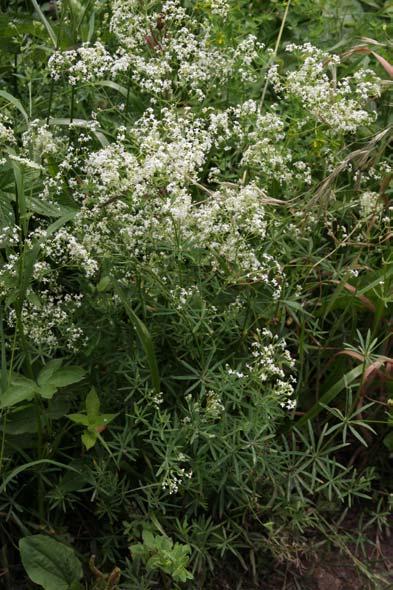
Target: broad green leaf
47, 391
48, 371
67, 376
21, 421
20, 389
148, 539
92, 404
103, 284
79, 419
104, 419
89, 439
49, 563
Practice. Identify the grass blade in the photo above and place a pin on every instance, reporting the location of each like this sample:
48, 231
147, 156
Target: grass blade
15, 102
331, 394
26, 466
145, 339
45, 22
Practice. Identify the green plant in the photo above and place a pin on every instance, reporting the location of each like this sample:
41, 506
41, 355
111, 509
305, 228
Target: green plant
159, 552
49, 563
94, 422
194, 223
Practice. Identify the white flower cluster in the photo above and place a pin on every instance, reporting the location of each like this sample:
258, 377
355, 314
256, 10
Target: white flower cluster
175, 478
85, 64
219, 7
136, 194
267, 151
214, 406
7, 136
270, 355
65, 249
339, 104
167, 51
47, 320
38, 140
370, 204
181, 296
9, 236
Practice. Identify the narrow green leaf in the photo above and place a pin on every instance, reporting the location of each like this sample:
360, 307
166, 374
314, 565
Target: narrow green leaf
45, 22
145, 339
15, 102
114, 85
20, 194
331, 394
28, 466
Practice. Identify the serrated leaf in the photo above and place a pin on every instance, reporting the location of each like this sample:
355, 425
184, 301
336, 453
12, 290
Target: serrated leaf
49, 563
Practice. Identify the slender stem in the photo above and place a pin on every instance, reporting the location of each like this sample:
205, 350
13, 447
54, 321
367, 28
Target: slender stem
128, 92
72, 104
40, 446
52, 83
4, 561
4, 383
16, 91
278, 41
52, 87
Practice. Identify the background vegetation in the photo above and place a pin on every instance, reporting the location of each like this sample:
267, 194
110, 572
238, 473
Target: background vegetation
196, 290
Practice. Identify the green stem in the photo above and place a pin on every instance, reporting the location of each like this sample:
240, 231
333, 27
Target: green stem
128, 92
52, 86
278, 41
40, 446
72, 104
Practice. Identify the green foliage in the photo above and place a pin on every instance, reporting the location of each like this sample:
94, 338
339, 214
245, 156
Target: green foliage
161, 553
92, 420
195, 222
49, 563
